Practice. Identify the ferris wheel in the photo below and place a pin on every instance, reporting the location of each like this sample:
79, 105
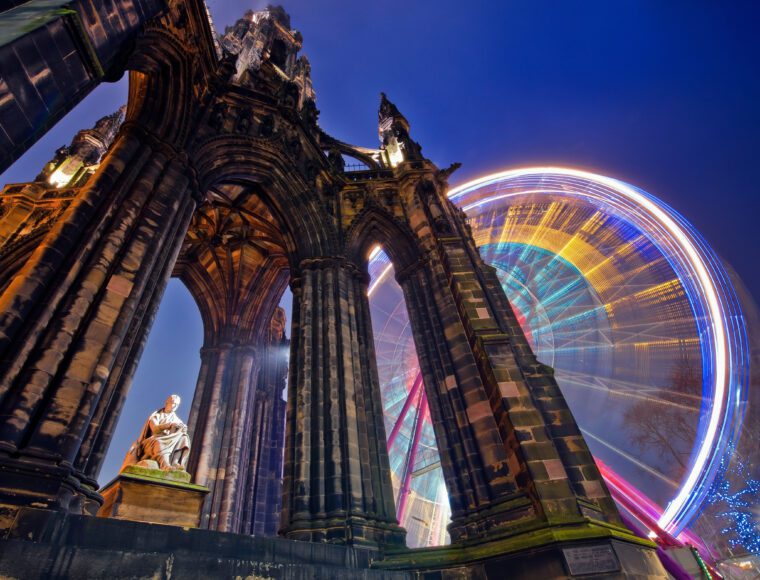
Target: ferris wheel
632, 308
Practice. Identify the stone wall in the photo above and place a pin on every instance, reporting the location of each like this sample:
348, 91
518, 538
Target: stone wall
85, 547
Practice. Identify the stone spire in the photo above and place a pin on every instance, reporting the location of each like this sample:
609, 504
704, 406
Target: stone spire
73, 164
265, 36
393, 131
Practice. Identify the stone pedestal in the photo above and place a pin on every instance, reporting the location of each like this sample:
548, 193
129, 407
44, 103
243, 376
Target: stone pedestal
153, 496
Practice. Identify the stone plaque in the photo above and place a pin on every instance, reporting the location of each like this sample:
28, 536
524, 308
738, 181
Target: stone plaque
591, 559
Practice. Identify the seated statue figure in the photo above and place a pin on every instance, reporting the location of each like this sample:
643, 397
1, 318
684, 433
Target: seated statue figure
163, 442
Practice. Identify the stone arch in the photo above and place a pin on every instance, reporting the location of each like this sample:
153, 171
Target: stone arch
359, 153
272, 277
143, 189
161, 80
293, 202
158, 113
236, 412
375, 226
75, 318
250, 192
234, 248
278, 53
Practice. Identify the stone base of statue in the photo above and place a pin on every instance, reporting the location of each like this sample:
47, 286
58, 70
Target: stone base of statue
143, 494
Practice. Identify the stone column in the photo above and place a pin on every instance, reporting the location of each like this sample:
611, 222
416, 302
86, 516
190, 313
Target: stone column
269, 499
57, 61
474, 459
236, 421
96, 443
336, 484
510, 450
220, 422
263, 496
585, 479
70, 311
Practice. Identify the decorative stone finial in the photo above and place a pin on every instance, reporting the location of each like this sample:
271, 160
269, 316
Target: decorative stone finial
393, 131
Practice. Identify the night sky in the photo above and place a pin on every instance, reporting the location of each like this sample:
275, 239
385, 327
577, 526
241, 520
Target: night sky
664, 95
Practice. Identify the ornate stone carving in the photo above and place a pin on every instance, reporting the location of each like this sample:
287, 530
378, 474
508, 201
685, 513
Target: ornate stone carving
310, 113
74, 163
394, 134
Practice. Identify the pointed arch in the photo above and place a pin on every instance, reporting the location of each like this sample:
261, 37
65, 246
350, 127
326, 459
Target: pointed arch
374, 226
160, 85
363, 154
296, 207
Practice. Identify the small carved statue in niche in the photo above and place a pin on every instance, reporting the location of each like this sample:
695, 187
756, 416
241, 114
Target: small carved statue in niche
288, 95
163, 442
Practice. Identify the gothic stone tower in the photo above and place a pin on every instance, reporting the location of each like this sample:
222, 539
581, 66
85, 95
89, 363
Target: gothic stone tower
220, 175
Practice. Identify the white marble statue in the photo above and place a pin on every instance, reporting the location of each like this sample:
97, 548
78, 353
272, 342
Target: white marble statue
163, 442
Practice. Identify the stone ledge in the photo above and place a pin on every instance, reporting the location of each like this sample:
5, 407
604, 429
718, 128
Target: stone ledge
47, 544
175, 478
29, 560
91, 533
528, 539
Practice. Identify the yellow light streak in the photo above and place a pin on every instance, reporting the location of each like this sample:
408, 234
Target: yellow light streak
710, 293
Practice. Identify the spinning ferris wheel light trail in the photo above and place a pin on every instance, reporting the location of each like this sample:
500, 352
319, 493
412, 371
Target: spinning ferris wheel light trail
698, 261
629, 304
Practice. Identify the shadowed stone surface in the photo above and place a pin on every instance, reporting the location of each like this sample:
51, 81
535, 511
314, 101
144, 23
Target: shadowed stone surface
84, 547
66, 546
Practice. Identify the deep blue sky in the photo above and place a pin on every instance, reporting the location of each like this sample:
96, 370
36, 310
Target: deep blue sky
663, 94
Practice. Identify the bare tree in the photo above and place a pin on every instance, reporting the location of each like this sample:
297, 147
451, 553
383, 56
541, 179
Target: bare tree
668, 426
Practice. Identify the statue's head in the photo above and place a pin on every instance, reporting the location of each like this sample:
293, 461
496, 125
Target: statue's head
172, 403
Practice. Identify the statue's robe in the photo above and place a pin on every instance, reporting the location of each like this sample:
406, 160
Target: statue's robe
163, 439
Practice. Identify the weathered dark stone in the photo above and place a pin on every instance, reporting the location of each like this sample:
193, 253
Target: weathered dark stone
68, 546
